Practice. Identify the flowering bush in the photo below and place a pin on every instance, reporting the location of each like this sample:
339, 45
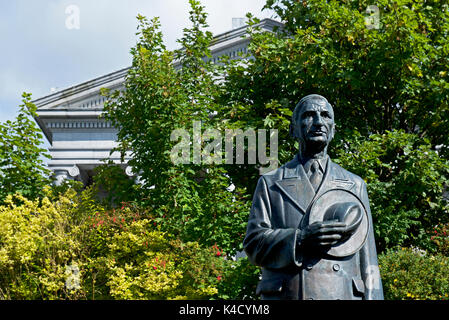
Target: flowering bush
143, 263
38, 240
239, 281
66, 246
414, 274
440, 238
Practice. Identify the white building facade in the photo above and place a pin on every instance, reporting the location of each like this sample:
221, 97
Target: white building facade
71, 119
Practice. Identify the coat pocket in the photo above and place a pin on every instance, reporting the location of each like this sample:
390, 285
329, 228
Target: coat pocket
358, 286
269, 286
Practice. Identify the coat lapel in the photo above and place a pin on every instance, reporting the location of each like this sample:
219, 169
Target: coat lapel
295, 185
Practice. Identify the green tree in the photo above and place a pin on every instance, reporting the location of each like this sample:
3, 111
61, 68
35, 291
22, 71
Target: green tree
21, 166
406, 180
379, 78
113, 187
166, 91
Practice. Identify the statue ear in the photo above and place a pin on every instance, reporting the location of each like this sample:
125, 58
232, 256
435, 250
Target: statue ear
331, 137
292, 131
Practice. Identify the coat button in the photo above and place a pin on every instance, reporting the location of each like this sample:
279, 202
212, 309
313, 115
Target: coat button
336, 267
309, 266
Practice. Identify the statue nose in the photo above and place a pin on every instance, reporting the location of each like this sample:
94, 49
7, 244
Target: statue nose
318, 121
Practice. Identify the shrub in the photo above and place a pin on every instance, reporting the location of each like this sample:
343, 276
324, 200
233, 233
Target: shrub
440, 239
239, 281
411, 274
143, 263
67, 246
38, 240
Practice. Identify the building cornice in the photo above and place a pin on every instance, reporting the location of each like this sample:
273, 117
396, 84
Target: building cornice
83, 101
116, 79
81, 90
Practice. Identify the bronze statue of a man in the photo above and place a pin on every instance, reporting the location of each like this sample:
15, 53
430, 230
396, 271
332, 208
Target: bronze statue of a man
310, 227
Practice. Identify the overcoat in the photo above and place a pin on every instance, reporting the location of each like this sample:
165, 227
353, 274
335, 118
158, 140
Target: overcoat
289, 271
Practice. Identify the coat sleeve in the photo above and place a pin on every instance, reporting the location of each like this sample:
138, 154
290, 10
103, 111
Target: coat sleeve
368, 258
265, 245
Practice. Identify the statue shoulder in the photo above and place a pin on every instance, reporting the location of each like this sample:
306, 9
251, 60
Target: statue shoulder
278, 174
273, 175
348, 175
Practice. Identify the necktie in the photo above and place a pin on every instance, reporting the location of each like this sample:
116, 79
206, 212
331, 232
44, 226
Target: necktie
316, 175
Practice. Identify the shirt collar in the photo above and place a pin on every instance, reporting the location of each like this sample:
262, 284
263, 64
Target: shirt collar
307, 163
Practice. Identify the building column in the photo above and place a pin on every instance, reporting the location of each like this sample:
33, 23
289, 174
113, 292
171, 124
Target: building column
61, 176
66, 174
129, 172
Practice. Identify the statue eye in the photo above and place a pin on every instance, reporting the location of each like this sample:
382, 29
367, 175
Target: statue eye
308, 114
325, 114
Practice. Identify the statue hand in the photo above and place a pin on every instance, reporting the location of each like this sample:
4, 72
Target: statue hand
322, 234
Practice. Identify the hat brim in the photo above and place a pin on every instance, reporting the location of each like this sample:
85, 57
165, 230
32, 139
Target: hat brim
318, 209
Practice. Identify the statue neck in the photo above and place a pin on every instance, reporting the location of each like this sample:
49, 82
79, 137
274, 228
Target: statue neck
305, 153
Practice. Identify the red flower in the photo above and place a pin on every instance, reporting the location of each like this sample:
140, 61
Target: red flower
219, 278
154, 267
218, 252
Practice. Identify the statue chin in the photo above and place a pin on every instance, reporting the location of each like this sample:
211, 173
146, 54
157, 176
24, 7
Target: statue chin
315, 145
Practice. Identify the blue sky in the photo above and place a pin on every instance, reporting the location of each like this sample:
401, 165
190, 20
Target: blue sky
38, 52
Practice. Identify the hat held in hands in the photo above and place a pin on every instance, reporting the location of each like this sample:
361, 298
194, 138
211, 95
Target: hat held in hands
343, 206
348, 212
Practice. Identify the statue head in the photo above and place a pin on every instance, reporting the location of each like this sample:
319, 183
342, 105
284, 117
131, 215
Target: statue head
313, 123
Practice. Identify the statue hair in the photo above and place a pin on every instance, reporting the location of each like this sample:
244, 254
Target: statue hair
303, 101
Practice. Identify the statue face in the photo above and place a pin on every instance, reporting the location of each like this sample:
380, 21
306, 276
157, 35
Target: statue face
315, 123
